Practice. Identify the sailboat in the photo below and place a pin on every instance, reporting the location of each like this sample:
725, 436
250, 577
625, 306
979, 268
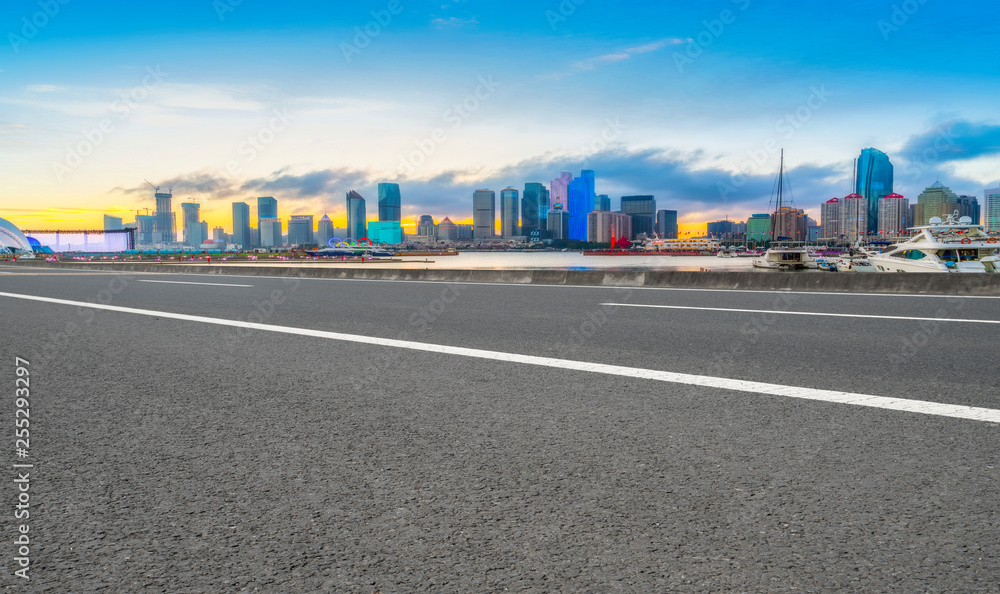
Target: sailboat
783, 254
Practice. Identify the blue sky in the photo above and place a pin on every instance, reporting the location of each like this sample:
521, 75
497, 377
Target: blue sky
684, 101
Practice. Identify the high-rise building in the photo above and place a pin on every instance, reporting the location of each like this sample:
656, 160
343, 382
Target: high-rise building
324, 231
389, 202
557, 222
112, 223
509, 226
300, 230
789, 224
484, 214
641, 209
759, 227
241, 224
270, 232
426, 226
829, 217
446, 230
357, 227
534, 199
991, 209
388, 232
190, 212
602, 225
144, 225
164, 226
267, 208
666, 224
218, 234
893, 213
602, 202
465, 231
581, 201
874, 181
725, 229
935, 201
968, 206
559, 187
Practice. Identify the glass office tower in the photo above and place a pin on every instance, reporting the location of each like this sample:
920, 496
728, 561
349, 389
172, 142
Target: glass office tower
874, 181
389, 202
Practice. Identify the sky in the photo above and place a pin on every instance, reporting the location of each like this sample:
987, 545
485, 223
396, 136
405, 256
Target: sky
227, 100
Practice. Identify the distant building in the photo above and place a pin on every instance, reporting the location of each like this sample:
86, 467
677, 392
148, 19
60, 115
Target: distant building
356, 216
666, 224
558, 222
389, 203
163, 228
218, 234
300, 230
559, 190
190, 212
534, 208
112, 223
580, 195
484, 214
464, 232
267, 208
241, 224
447, 231
270, 232
874, 181
602, 202
722, 229
991, 209
935, 201
759, 227
968, 206
789, 224
387, 232
509, 213
642, 210
829, 216
893, 213
426, 227
324, 231
602, 225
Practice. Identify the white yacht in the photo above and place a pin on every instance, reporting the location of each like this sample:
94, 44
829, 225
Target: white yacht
942, 246
788, 257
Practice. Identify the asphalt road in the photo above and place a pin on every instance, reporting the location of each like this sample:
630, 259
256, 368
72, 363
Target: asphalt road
183, 455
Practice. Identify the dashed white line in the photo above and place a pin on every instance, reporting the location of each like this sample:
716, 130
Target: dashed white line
190, 283
805, 313
871, 401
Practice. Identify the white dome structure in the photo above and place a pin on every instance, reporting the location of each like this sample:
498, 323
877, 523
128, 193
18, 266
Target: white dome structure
12, 240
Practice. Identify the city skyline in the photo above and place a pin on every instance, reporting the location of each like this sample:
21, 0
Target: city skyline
688, 104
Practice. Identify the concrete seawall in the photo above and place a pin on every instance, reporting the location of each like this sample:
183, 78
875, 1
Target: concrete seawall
849, 282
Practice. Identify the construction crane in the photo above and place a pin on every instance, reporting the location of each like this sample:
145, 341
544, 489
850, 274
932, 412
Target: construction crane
155, 188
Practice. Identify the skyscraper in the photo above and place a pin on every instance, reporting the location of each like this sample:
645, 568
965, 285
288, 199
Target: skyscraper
508, 213
666, 224
267, 208
270, 232
581, 202
112, 223
192, 227
357, 227
935, 201
241, 224
893, 212
991, 208
602, 225
759, 227
144, 228
164, 226
558, 222
484, 214
446, 230
532, 216
874, 181
389, 202
641, 209
560, 190
789, 224
968, 206
300, 230
324, 232
829, 217
602, 202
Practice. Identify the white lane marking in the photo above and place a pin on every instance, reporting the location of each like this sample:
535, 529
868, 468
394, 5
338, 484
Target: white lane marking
189, 283
882, 402
806, 313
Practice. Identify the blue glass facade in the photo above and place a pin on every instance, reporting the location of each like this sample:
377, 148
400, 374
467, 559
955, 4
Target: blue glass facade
874, 182
581, 201
241, 224
532, 215
385, 232
389, 202
357, 227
